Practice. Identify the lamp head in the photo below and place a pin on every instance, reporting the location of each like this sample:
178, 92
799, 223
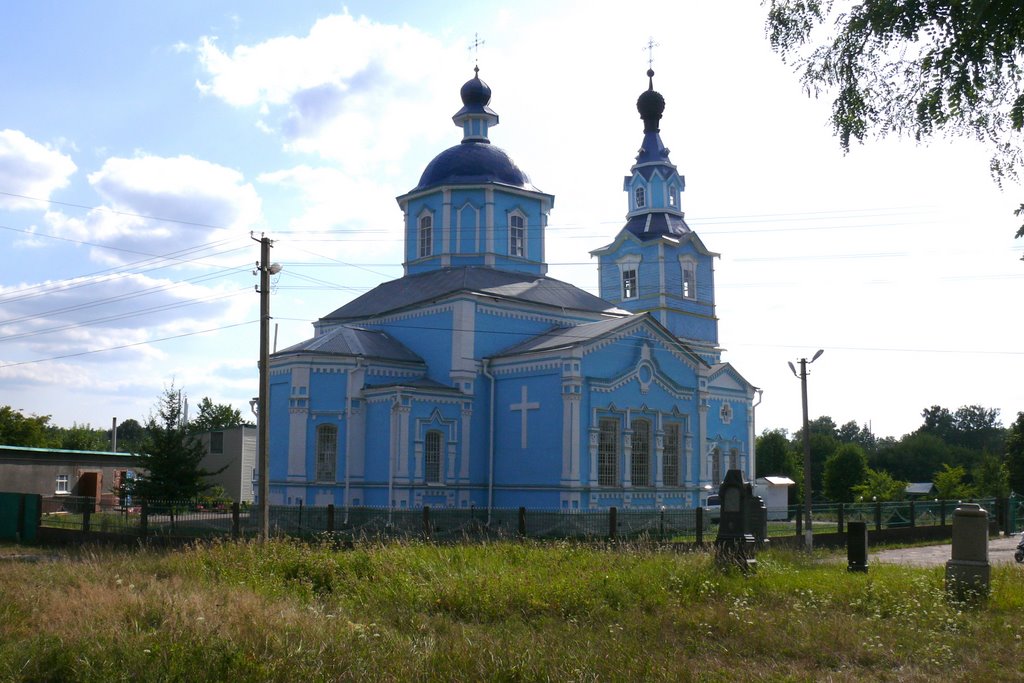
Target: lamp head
793, 368
813, 358
275, 268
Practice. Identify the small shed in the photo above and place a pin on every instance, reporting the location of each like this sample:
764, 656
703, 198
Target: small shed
920, 489
775, 493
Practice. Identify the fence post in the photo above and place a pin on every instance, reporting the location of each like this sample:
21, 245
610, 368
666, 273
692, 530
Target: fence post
86, 515
913, 523
144, 520
236, 522
799, 523
426, 521
878, 516
661, 525
330, 517
522, 521
842, 517
613, 522
942, 512
299, 529
699, 521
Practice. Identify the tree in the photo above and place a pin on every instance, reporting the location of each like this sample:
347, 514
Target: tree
879, 485
845, 469
1015, 454
18, 430
851, 432
949, 484
776, 457
130, 436
170, 457
920, 69
824, 442
81, 438
991, 477
213, 416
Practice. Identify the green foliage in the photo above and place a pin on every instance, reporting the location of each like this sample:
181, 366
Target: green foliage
170, 457
991, 477
213, 416
879, 485
130, 436
776, 457
80, 438
1015, 454
851, 432
972, 427
18, 430
950, 485
845, 469
824, 441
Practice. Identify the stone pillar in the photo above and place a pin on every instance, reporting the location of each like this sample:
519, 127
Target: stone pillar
968, 571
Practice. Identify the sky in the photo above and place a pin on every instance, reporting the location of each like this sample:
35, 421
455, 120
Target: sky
144, 144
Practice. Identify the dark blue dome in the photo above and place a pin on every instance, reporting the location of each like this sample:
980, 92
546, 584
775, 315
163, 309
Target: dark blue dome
470, 163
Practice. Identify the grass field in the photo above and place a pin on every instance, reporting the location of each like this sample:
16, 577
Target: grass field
506, 612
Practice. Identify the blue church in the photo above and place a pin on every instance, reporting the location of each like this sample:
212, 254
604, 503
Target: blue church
477, 380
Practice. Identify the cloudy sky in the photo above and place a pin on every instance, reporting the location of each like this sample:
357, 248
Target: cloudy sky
142, 143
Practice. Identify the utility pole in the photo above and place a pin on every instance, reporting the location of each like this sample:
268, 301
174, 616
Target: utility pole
266, 269
802, 375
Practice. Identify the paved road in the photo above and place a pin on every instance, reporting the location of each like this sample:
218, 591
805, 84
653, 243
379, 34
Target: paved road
1000, 551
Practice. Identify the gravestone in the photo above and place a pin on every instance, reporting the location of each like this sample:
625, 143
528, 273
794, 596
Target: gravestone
968, 571
857, 547
735, 543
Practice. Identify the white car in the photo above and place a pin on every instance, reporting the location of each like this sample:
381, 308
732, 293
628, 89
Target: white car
713, 507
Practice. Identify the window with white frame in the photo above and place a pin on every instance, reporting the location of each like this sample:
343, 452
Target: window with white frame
517, 235
716, 465
62, 484
326, 452
673, 197
432, 457
640, 467
689, 278
670, 456
640, 196
629, 283
608, 452
426, 236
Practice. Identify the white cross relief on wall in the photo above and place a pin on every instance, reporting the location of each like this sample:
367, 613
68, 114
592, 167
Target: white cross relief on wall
523, 406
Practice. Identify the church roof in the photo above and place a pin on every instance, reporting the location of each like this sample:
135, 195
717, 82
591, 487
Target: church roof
473, 162
348, 340
657, 224
423, 288
565, 337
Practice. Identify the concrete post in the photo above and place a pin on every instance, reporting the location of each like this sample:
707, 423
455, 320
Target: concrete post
968, 571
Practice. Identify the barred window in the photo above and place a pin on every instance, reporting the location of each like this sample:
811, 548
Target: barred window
641, 197
517, 235
629, 283
326, 452
426, 236
670, 456
608, 452
689, 280
432, 457
716, 465
640, 469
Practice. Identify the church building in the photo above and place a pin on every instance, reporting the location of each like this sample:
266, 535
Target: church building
477, 380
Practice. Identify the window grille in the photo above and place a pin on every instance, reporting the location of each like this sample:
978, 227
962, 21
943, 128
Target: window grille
432, 457
641, 197
426, 236
608, 452
517, 236
326, 452
670, 456
689, 280
640, 469
629, 283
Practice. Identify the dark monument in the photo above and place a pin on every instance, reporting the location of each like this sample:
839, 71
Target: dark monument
857, 547
739, 523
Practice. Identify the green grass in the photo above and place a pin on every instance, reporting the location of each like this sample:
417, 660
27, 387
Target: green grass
505, 611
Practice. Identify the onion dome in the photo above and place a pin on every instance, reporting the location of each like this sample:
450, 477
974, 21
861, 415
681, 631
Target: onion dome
651, 106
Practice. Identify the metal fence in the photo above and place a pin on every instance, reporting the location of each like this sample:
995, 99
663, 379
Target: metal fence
192, 520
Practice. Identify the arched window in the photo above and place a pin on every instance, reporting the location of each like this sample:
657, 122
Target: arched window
516, 235
326, 452
734, 459
673, 197
689, 283
640, 469
432, 457
641, 197
716, 465
426, 236
608, 452
670, 456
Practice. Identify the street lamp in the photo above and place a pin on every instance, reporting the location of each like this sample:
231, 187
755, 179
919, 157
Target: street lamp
266, 269
802, 375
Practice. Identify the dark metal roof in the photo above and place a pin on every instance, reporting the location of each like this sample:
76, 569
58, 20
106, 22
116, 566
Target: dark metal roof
565, 337
656, 224
436, 284
347, 340
470, 163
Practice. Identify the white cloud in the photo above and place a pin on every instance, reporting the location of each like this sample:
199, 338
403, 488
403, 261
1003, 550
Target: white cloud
31, 170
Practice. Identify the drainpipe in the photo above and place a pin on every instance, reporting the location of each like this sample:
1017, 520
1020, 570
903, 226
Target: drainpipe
396, 433
490, 440
753, 435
